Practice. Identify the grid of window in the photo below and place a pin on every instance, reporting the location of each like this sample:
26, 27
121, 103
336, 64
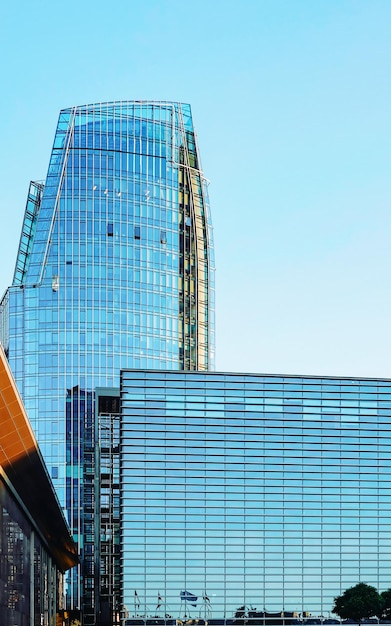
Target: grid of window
101, 280
264, 491
29, 580
107, 579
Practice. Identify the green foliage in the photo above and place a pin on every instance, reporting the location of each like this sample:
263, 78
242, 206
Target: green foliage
386, 603
358, 602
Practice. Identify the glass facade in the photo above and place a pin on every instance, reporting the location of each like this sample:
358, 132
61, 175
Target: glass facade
31, 587
35, 544
107, 497
251, 490
114, 269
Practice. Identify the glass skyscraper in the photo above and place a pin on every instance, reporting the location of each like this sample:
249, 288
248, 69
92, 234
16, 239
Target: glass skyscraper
271, 492
114, 270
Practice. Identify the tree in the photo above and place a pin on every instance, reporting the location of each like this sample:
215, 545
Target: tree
386, 603
358, 602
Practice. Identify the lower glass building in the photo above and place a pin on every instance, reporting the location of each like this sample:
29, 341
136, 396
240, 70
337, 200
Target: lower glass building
266, 492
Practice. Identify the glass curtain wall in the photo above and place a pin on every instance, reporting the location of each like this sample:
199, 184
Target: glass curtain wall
114, 270
29, 579
252, 491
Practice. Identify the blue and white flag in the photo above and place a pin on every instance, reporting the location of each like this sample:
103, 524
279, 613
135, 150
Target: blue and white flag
189, 597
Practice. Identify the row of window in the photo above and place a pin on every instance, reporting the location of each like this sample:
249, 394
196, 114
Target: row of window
244, 382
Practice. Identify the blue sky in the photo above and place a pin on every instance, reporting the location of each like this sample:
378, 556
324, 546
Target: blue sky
291, 100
